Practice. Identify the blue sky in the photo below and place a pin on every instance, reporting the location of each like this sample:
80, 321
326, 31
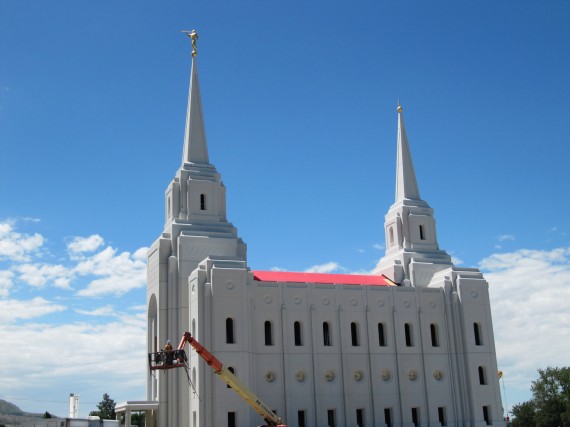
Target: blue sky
300, 110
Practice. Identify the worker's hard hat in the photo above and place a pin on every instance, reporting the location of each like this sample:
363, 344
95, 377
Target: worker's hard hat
167, 341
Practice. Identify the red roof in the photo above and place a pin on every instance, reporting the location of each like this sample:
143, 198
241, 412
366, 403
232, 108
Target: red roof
341, 279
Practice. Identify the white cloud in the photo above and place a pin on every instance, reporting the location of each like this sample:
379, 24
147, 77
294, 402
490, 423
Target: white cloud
328, 267
456, 261
505, 237
85, 244
38, 275
88, 359
530, 301
277, 269
5, 282
17, 246
101, 311
12, 310
119, 273
378, 246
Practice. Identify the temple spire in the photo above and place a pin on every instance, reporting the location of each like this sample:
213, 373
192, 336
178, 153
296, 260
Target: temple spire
406, 184
195, 147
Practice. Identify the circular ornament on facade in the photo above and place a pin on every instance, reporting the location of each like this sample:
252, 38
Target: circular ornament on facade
326, 301
358, 375
412, 375
270, 376
268, 299
386, 375
297, 300
407, 303
381, 302
432, 303
438, 375
300, 376
330, 375
230, 284
474, 294
353, 302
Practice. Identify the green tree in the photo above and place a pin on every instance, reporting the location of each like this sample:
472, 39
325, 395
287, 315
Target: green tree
550, 403
138, 419
106, 408
524, 414
47, 415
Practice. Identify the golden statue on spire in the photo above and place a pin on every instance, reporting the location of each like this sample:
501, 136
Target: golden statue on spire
194, 36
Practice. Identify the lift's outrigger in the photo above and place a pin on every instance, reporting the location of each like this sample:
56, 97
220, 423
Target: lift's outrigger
178, 359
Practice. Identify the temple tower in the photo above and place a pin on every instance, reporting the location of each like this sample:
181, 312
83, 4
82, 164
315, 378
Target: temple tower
412, 253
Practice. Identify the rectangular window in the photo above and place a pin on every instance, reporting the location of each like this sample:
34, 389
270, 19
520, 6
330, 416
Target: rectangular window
434, 335
230, 339
487, 415
331, 418
416, 416
327, 342
360, 417
268, 333
301, 419
354, 334
298, 334
388, 417
441, 416
409, 335
194, 419
382, 335
232, 419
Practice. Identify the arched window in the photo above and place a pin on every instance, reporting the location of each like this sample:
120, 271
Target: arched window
230, 339
202, 202
382, 342
268, 333
327, 341
422, 233
409, 335
487, 415
477, 332
233, 371
354, 334
434, 335
298, 334
482, 375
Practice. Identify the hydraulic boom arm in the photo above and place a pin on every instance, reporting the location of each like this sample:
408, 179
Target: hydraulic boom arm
270, 417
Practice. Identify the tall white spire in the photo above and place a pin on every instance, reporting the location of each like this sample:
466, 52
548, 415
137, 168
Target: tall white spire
412, 252
406, 184
195, 147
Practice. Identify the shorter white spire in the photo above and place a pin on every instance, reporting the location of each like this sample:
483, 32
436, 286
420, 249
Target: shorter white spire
406, 184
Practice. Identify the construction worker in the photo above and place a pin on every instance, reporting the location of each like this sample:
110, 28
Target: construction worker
168, 352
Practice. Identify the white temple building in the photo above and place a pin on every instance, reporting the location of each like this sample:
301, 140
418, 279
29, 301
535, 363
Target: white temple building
409, 346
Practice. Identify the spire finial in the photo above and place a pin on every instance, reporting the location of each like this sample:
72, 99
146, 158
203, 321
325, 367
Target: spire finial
400, 109
193, 36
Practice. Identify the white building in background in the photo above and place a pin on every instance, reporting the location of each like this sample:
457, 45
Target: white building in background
409, 346
73, 405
